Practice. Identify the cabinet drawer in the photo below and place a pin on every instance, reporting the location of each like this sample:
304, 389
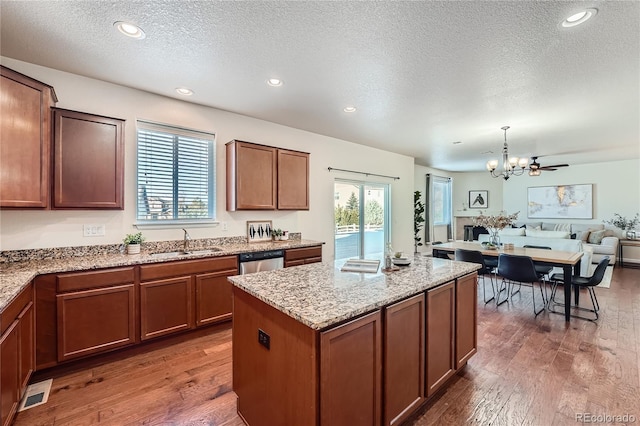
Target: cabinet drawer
188, 267
303, 253
94, 279
11, 312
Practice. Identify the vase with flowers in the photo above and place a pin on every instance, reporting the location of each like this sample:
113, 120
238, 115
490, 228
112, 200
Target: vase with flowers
624, 224
494, 224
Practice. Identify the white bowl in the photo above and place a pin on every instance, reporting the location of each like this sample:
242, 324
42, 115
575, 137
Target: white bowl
401, 261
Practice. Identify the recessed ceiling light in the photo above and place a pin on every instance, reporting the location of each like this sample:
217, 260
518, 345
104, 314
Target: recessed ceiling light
579, 18
275, 82
130, 30
349, 109
184, 91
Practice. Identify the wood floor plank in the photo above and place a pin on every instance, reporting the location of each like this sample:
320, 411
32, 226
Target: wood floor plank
528, 371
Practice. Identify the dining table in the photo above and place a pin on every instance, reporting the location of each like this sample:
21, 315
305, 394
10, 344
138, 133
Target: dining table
568, 261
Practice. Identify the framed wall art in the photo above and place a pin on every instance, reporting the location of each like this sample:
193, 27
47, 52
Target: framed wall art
560, 202
478, 199
259, 231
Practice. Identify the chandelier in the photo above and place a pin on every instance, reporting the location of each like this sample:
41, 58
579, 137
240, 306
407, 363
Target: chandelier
513, 166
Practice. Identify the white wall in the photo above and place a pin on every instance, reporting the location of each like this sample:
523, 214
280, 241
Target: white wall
616, 189
38, 229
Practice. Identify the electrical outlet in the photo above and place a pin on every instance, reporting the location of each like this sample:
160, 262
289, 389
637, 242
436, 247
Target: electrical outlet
224, 226
93, 230
264, 339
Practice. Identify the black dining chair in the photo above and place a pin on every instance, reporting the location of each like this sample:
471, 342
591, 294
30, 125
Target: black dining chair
474, 256
581, 282
520, 269
544, 271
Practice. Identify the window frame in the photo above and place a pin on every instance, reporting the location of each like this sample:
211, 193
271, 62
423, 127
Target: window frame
176, 132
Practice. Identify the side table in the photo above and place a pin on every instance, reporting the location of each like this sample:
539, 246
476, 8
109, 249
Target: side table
622, 243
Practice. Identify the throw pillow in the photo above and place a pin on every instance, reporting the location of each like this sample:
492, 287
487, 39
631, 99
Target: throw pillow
534, 228
595, 237
582, 236
562, 227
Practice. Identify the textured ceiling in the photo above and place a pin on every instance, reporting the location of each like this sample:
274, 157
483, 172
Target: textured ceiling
422, 74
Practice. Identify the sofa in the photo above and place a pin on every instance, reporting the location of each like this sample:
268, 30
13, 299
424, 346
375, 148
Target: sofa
562, 244
603, 241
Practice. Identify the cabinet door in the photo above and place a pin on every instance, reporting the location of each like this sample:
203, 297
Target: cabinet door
94, 321
404, 355
293, 180
88, 161
214, 301
9, 384
440, 336
466, 318
26, 333
251, 176
25, 140
166, 306
351, 373
302, 256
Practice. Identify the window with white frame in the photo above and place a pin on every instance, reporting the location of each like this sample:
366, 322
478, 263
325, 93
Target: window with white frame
176, 174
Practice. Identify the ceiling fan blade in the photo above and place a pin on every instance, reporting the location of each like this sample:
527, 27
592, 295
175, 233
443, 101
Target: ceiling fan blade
547, 169
553, 166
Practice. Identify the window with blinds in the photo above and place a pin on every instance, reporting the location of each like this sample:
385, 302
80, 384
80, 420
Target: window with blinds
175, 174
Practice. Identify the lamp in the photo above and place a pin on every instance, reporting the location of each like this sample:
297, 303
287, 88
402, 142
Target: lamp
513, 166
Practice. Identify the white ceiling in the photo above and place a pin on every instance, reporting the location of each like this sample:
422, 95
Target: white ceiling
422, 74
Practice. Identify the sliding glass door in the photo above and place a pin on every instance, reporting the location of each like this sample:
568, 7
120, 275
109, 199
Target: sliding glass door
361, 217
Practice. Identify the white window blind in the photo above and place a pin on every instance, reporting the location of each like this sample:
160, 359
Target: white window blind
175, 174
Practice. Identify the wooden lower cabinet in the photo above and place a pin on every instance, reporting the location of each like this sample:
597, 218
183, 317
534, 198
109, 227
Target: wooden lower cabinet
16, 352
27, 364
404, 359
302, 256
351, 373
94, 321
9, 365
440, 336
182, 295
214, 301
166, 306
466, 319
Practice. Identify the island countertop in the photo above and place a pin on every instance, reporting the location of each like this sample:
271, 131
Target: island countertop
319, 295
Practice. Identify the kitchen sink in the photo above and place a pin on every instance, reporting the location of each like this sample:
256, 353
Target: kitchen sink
165, 254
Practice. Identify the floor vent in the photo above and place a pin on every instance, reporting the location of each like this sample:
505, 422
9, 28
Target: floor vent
36, 394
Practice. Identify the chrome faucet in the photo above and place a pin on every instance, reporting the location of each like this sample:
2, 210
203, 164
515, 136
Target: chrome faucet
185, 244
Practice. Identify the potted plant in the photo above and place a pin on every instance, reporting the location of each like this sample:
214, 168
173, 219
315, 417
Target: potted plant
133, 241
277, 234
624, 224
418, 219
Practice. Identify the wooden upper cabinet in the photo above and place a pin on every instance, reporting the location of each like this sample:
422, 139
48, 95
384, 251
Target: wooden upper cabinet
88, 161
251, 176
25, 140
262, 177
293, 180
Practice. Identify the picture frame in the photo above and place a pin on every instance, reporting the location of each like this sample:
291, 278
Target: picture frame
478, 199
259, 231
560, 202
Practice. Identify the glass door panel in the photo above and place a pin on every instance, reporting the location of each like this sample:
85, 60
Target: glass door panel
361, 219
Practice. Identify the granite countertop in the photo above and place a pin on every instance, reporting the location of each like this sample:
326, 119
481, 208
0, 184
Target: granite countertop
14, 276
320, 295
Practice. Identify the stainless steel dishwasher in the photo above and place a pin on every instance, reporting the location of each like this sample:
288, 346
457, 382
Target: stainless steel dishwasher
261, 261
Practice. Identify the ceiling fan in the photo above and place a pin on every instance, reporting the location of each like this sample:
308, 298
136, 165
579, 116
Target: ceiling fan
535, 168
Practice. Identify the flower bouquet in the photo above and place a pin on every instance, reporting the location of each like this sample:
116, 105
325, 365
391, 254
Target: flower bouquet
494, 224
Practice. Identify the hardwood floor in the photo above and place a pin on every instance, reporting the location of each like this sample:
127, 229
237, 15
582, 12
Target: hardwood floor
528, 371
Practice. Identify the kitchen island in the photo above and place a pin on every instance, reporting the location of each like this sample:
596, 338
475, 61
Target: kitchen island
316, 346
